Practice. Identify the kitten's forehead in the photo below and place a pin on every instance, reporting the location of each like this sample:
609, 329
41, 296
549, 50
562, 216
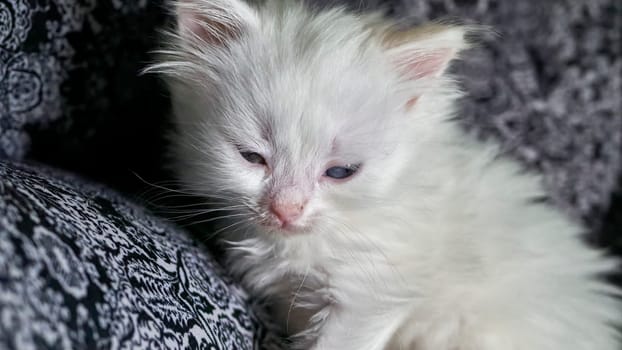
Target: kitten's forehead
322, 92
314, 84
312, 112
321, 56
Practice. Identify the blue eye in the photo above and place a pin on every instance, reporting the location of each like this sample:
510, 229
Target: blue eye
341, 172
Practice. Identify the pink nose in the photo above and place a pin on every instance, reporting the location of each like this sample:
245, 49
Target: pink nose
287, 212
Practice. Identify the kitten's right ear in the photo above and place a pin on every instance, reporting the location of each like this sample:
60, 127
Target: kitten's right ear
213, 21
426, 51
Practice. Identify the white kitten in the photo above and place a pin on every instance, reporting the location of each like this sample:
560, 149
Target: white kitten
358, 206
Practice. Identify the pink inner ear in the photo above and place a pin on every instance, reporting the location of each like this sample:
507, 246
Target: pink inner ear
425, 64
205, 28
189, 24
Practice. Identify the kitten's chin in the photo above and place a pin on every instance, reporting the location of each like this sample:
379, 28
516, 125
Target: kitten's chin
287, 229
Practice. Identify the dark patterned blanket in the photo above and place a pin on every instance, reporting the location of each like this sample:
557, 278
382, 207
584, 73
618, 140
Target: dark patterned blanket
83, 268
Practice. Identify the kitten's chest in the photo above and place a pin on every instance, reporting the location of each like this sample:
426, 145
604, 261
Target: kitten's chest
303, 304
296, 291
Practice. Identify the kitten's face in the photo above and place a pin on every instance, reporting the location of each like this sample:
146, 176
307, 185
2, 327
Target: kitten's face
293, 120
298, 143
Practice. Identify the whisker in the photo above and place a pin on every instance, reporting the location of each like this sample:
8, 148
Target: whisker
187, 215
219, 218
291, 305
198, 205
215, 233
158, 186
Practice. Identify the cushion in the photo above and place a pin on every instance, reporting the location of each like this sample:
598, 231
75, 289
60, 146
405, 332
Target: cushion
83, 268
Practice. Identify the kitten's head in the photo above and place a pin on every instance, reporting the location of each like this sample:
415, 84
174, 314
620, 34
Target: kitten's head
292, 117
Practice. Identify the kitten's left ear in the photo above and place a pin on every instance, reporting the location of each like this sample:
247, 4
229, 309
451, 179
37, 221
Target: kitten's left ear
213, 21
425, 52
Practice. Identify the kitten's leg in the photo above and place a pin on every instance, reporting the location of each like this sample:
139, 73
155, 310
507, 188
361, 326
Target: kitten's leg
301, 311
293, 319
530, 317
356, 330
558, 313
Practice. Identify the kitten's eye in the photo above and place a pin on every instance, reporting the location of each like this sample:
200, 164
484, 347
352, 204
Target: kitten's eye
341, 172
253, 157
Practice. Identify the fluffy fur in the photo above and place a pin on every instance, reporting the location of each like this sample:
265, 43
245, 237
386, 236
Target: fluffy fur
435, 243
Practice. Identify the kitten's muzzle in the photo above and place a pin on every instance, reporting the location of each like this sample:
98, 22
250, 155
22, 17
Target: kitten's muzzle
287, 213
288, 206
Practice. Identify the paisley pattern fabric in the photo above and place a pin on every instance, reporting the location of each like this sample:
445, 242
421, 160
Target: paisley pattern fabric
83, 268
70, 85
35, 57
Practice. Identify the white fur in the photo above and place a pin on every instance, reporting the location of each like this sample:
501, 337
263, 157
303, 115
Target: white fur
435, 244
